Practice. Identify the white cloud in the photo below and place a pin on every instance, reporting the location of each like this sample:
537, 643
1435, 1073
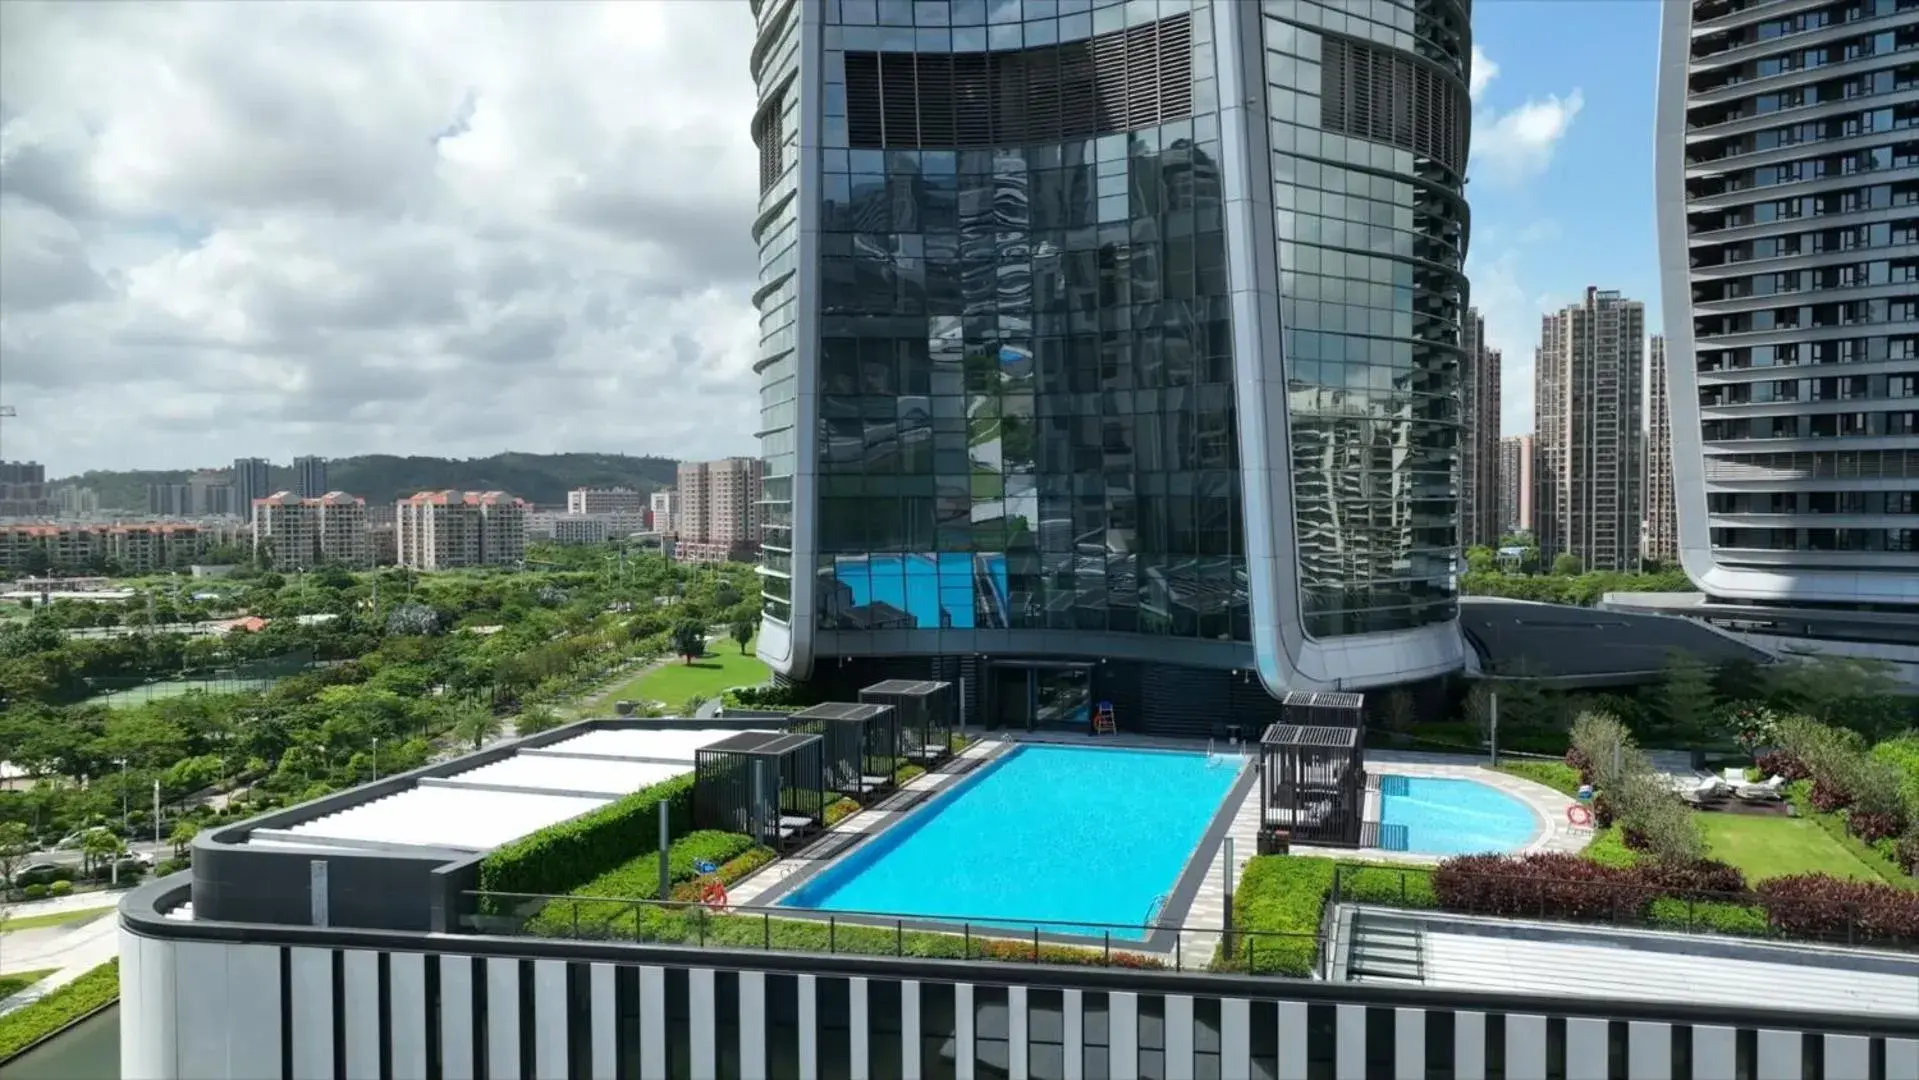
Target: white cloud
237, 229
1518, 145
1484, 71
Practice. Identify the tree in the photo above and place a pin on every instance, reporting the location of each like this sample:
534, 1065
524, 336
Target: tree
1399, 715
15, 843
742, 633
1566, 564
1480, 559
536, 719
101, 846
1687, 700
689, 640
182, 835
476, 724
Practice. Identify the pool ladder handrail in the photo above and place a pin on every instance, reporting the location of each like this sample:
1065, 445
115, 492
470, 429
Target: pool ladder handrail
1156, 909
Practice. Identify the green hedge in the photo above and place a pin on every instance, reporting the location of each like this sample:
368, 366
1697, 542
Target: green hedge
638, 878
695, 925
1877, 857
78, 999
1387, 886
1719, 917
1278, 895
561, 858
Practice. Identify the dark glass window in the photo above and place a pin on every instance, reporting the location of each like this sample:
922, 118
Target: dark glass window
1206, 1039
726, 1024
782, 1025
1098, 1034
1045, 1035
991, 1033
939, 1032
883, 1030
1262, 1030
679, 1024
834, 1009
1152, 1037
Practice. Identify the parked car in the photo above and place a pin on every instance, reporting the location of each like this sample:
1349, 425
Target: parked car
41, 873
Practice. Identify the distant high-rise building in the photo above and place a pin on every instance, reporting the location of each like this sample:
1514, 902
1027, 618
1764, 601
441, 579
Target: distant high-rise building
1516, 483
1662, 525
444, 530
74, 501
252, 479
614, 500
299, 534
23, 490
209, 494
169, 500
1588, 476
719, 518
664, 511
1478, 436
309, 477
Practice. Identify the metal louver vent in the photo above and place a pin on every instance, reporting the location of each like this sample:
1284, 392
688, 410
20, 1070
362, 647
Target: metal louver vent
1387, 97
770, 136
1121, 81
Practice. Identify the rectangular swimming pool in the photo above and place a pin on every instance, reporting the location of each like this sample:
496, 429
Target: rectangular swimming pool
1044, 836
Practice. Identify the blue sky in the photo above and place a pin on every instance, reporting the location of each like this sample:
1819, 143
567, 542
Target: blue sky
1561, 174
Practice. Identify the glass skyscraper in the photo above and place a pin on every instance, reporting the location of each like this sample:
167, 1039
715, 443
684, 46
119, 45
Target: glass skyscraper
1111, 350
1788, 181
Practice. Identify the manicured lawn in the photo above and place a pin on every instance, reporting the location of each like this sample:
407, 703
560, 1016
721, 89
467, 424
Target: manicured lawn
674, 681
1767, 847
58, 918
20, 980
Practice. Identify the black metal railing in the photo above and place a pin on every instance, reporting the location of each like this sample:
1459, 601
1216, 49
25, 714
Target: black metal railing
1640, 904
1152, 945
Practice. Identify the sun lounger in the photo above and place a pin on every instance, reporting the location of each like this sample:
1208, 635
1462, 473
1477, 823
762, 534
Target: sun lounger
1770, 791
1701, 791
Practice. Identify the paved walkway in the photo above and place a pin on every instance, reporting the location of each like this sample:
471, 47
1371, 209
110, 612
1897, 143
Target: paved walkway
73, 950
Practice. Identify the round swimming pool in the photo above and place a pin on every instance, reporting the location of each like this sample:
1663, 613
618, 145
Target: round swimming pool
1446, 816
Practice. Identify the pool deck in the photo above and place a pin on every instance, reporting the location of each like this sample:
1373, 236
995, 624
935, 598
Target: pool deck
1203, 918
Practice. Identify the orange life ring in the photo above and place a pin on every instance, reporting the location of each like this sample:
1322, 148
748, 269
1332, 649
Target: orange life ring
713, 895
1578, 816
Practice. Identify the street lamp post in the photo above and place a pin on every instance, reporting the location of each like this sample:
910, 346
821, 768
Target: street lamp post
124, 817
376, 757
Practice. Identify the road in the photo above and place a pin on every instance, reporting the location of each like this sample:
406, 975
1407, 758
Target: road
71, 856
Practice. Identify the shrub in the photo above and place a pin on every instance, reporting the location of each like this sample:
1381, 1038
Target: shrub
35, 892
1276, 913
1388, 886
1870, 827
60, 888
1821, 906
1719, 917
729, 872
1902, 754
1541, 885
1603, 744
78, 999
1700, 877
1828, 797
839, 810
1906, 851
1653, 818
1608, 848
561, 857
1780, 763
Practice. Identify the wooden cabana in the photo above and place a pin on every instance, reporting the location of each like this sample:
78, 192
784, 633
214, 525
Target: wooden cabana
862, 745
769, 785
1312, 783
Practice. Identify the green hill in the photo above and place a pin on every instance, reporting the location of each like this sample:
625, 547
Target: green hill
538, 478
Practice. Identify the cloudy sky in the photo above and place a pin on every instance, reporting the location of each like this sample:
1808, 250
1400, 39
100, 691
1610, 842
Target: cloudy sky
272, 228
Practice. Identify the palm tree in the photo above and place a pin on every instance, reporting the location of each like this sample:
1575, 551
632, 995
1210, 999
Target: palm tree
476, 724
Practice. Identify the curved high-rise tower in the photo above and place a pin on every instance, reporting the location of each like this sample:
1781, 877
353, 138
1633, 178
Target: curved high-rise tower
1788, 184
1111, 349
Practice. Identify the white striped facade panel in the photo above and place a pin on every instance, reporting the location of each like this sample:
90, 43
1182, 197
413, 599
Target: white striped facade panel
312, 1034
406, 976
262, 1011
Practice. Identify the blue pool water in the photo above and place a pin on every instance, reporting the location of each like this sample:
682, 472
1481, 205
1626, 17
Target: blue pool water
1044, 837
1455, 817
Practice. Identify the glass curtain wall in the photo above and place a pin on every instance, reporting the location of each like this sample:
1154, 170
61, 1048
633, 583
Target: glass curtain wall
1368, 119
776, 131
1027, 415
